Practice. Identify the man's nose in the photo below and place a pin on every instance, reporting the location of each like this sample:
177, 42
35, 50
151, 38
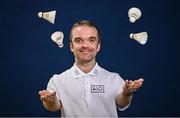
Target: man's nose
85, 44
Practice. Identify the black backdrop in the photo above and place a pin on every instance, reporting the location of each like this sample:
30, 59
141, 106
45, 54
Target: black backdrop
29, 57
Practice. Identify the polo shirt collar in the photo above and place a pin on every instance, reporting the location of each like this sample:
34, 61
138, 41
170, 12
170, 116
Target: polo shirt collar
78, 73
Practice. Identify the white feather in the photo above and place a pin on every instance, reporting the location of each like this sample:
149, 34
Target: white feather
134, 14
140, 37
58, 37
49, 16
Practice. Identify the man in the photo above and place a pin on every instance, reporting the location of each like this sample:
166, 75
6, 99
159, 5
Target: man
86, 89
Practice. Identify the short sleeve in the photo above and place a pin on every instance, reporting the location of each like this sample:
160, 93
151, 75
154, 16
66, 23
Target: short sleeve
51, 86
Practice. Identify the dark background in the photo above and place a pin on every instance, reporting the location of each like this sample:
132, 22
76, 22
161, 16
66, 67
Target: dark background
29, 57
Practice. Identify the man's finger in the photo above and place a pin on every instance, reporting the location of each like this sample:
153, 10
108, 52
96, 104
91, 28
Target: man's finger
43, 92
141, 80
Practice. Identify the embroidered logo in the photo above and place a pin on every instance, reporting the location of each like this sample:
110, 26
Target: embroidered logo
97, 88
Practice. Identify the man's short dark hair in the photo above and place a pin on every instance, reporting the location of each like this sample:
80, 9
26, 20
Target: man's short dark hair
87, 23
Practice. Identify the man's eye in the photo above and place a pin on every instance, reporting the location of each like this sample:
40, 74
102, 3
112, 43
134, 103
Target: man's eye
92, 40
77, 40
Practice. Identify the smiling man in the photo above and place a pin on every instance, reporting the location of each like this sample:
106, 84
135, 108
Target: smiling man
86, 89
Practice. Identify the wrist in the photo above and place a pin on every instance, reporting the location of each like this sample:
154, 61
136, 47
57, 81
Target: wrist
128, 94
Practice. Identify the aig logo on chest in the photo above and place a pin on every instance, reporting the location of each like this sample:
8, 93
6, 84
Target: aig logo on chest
97, 88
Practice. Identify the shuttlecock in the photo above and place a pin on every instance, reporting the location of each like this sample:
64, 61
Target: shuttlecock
58, 37
49, 16
140, 37
134, 14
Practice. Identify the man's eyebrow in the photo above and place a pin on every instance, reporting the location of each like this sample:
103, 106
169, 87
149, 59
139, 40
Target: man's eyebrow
77, 38
92, 37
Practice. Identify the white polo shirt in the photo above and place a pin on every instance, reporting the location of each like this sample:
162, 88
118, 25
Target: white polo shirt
87, 95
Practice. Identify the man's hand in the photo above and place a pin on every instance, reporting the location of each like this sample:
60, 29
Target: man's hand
50, 100
132, 86
47, 96
125, 97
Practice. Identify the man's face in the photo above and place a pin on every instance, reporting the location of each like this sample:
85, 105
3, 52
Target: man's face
84, 43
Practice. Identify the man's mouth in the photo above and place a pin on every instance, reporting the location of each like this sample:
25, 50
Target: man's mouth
85, 51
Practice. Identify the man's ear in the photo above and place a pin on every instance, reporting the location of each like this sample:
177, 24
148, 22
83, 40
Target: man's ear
99, 47
71, 46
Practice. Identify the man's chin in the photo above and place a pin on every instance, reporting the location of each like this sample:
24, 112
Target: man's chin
85, 60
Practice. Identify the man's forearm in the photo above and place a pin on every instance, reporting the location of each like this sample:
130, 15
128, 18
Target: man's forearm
124, 100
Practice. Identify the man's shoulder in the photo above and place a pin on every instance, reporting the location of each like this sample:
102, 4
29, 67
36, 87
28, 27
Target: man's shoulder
108, 73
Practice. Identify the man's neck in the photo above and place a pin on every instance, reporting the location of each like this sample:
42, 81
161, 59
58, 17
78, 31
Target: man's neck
86, 67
